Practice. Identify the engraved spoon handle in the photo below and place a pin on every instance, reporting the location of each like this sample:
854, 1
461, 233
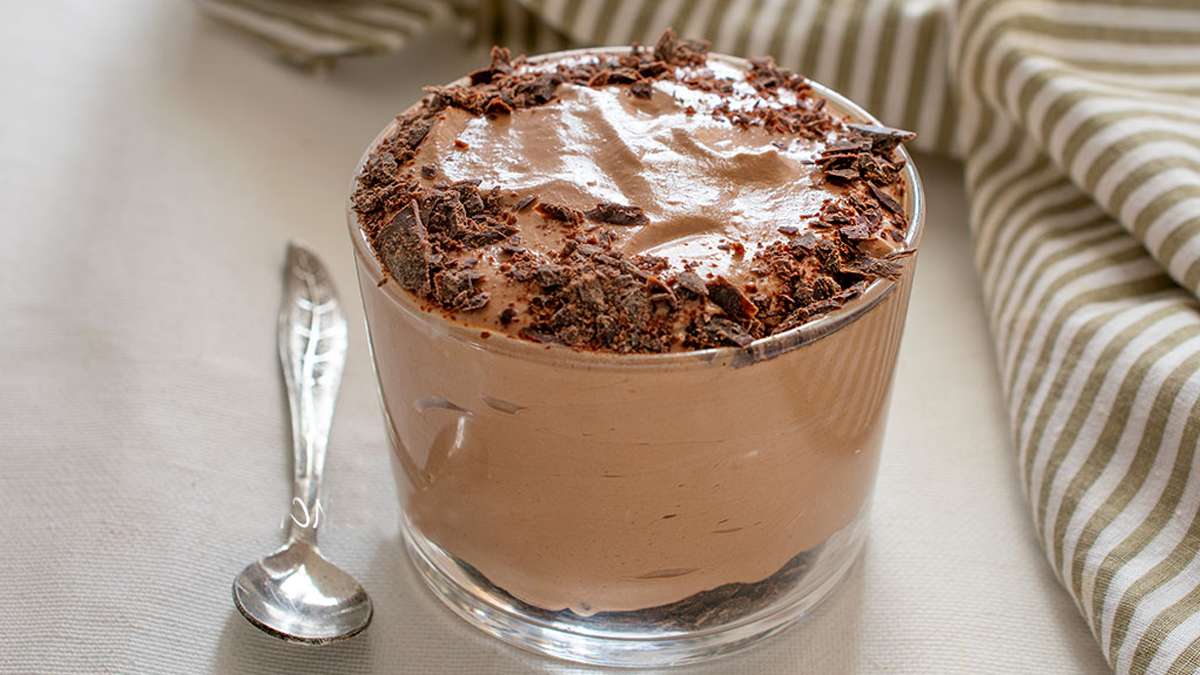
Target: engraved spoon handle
312, 348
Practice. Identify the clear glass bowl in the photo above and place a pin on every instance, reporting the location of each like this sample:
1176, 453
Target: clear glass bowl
636, 510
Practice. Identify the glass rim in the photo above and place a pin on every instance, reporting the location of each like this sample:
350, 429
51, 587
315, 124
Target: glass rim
759, 350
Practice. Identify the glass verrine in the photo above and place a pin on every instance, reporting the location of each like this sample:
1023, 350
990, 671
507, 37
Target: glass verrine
636, 509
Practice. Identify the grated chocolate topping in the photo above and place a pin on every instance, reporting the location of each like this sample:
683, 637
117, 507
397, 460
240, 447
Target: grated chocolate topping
429, 234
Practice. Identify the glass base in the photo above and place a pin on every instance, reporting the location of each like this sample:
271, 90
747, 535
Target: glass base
666, 636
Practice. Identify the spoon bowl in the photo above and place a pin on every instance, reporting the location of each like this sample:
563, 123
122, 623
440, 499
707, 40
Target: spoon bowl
297, 595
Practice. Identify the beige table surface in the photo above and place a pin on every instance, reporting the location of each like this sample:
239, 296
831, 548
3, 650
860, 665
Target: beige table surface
152, 168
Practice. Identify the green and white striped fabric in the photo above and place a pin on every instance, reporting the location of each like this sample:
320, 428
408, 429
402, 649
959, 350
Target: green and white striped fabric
1079, 125
313, 34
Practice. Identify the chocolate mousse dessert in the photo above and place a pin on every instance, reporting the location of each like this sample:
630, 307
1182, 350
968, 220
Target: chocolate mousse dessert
634, 315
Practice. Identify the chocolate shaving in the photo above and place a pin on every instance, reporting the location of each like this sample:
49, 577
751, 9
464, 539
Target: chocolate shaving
588, 290
542, 336
471, 303
728, 331
616, 214
874, 267
806, 242
842, 175
883, 139
449, 285
525, 202
497, 106
692, 283
382, 167
404, 247
643, 89
885, 200
560, 213
501, 65
653, 69
417, 132
731, 299
824, 288
857, 232
660, 291
674, 51
552, 276
540, 90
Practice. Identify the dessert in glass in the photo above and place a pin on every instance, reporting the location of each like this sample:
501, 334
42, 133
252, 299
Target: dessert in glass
634, 315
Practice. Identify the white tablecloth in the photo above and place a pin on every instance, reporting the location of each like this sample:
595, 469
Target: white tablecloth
152, 168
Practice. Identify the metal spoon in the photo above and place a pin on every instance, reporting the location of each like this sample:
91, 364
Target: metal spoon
296, 594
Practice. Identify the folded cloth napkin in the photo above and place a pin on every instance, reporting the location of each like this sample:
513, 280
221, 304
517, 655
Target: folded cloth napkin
1079, 125
313, 34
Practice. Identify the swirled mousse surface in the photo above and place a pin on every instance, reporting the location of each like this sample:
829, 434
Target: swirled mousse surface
649, 201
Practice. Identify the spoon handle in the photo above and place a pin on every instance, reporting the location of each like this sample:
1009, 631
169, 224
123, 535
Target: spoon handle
312, 348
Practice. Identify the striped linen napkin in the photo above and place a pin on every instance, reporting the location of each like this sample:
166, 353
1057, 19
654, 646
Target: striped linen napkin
1079, 125
313, 34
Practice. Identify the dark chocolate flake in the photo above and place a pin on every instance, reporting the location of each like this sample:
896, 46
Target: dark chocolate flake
672, 50
472, 201
731, 299
540, 335
404, 246
525, 202
642, 89
510, 248
728, 331
856, 232
599, 79
588, 291
659, 290
623, 76
842, 175
847, 146
501, 65
689, 281
444, 214
885, 200
882, 139
551, 276
382, 167
541, 89
825, 288
418, 131
874, 267
564, 214
497, 106
451, 287
616, 214
472, 303
806, 243
653, 69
